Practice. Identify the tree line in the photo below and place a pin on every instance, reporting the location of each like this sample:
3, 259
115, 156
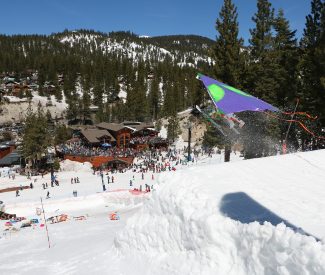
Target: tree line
277, 68
86, 74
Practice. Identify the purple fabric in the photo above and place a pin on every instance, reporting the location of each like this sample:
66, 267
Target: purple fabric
233, 102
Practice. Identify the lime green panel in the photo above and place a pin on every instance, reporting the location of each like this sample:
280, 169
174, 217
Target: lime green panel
216, 92
236, 90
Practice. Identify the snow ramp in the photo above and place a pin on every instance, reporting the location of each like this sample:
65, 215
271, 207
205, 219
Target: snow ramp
260, 216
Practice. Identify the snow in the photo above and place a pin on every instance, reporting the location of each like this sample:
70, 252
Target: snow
186, 230
122, 93
15, 99
260, 216
73, 166
16, 109
185, 112
129, 49
163, 132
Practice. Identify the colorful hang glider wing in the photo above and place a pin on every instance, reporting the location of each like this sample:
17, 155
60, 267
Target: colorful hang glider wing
230, 100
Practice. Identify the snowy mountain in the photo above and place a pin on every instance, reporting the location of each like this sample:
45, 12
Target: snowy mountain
115, 69
184, 50
260, 216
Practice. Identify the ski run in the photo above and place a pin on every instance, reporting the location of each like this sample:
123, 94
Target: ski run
260, 216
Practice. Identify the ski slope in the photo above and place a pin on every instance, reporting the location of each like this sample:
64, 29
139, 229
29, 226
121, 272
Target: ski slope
260, 216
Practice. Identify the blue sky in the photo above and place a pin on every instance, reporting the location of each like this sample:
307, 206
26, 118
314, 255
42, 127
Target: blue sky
143, 17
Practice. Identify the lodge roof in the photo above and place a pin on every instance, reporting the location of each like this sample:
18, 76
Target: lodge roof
134, 126
10, 159
93, 135
115, 127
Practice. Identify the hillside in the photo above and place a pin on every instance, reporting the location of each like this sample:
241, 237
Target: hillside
259, 216
186, 50
120, 73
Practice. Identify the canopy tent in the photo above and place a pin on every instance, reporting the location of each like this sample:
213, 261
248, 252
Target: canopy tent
106, 145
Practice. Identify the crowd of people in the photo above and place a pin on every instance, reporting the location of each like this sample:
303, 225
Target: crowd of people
147, 163
78, 149
140, 140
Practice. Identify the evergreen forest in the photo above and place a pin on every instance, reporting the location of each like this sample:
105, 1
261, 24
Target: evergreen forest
157, 74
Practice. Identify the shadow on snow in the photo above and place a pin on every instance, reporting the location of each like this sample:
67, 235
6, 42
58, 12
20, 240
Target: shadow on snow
239, 206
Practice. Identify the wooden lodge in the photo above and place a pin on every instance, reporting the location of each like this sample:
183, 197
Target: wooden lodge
121, 133
6, 149
96, 137
135, 135
129, 133
103, 161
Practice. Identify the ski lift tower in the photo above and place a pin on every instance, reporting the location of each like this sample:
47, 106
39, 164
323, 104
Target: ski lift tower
189, 127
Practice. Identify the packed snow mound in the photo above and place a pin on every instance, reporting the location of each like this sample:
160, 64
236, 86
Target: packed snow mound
193, 226
74, 166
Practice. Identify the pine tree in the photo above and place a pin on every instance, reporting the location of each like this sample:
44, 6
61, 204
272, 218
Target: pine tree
169, 106
211, 138
173, 128
286, 75
261, 35
154, 98
259, 132
320, 50
85, 102
36, 138
262, 66
73, 109
311, 68
285, 46
228, 52
62, 134
312, 31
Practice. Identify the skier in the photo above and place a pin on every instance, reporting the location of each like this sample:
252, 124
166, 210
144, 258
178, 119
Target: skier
48, 195
31, 185
130, 182
17, 193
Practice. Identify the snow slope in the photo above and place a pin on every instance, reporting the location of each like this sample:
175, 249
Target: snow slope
259, 216
133, 50
185, 227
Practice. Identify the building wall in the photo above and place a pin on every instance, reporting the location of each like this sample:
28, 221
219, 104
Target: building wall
6, 151
97, 161
123, 138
